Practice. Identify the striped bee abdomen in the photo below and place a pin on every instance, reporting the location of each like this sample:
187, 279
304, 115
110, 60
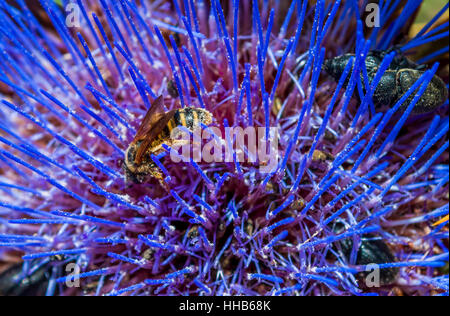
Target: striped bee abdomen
190, 118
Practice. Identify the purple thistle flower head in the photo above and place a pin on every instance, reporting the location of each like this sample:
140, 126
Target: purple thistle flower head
347, 209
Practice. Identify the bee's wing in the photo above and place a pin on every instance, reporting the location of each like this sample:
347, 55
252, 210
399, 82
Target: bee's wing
155, 112
154, 131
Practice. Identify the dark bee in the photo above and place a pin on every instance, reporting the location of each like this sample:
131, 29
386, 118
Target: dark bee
15, 281
371, 251
156, 130
398, 78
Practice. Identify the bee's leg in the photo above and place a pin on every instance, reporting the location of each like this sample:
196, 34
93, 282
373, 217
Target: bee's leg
130, 178
158, 175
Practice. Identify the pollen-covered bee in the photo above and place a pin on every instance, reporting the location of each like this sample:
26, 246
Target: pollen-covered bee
401, 74
157, 129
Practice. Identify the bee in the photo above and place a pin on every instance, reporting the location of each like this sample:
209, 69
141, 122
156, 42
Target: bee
371, 251
15, 281
155, 131
401, 74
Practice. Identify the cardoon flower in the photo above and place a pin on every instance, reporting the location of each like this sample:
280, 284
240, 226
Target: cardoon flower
77, 78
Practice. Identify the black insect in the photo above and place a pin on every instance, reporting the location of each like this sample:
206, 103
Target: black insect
372, 250
400, 61
395, 82
15, 281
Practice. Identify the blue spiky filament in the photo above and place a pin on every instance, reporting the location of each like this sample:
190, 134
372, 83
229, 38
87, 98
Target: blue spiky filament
73, 98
